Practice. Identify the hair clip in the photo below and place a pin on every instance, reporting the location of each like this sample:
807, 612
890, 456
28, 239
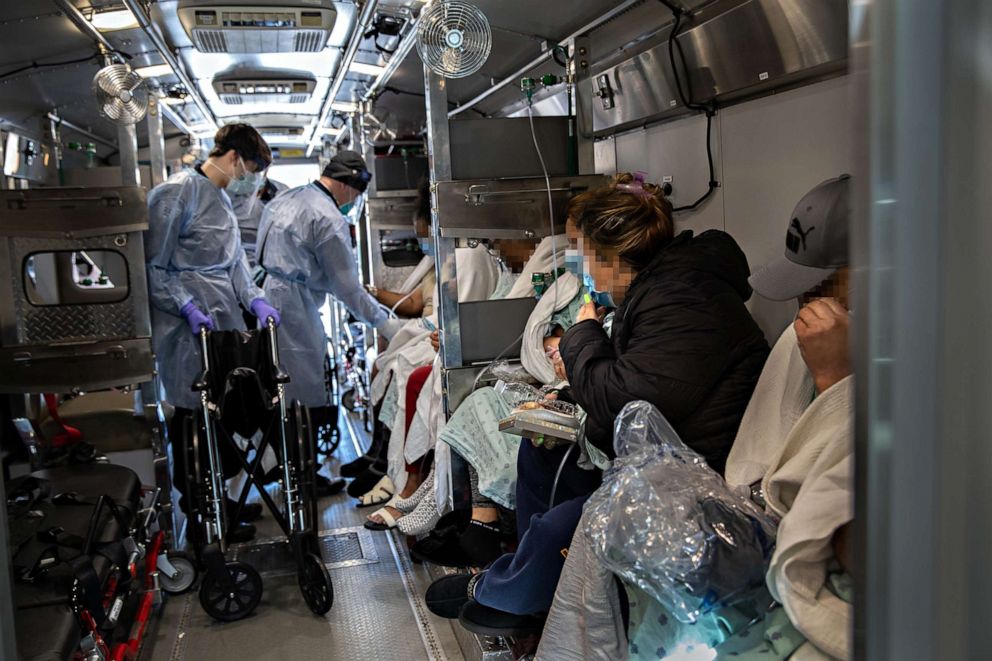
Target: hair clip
636, 188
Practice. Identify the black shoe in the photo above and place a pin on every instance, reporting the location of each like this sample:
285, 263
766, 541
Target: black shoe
250, 512
480, 543
446, 596
365, 482
272, 476
243, 532
326, 487
476, 546
356, 467
491, 622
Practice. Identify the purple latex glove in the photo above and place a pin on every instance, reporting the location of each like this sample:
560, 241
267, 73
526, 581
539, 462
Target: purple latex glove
261, 309
196, 318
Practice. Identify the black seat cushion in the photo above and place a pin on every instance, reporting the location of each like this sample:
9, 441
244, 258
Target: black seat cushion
49, 633
89, 481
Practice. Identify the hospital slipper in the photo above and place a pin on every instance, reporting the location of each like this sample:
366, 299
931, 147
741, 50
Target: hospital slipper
379, 495
422, 519
407, 505
385, 515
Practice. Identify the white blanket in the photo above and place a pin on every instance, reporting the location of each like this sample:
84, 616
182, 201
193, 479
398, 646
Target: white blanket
542, 261
478, 275
802, 451
413, 280
557, 297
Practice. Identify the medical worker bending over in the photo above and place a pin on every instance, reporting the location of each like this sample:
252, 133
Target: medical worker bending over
304, 245
198, 274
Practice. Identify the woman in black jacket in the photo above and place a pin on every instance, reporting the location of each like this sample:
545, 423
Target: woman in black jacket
682, 340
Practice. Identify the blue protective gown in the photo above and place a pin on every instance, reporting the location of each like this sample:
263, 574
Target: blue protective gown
250, 217
193, 252
304, 245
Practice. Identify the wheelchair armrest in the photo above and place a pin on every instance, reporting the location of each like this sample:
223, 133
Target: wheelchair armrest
279, 375
202, 381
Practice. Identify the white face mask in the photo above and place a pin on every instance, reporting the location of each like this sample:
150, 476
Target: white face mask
247, 184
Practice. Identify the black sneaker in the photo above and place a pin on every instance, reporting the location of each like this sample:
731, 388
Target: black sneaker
365, 482
447, 595
326, 487
356, 467
476, 546
249, 513
488, 621
243, 532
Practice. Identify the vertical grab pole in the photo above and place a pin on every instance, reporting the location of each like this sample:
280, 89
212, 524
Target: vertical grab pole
294, 513
216, 471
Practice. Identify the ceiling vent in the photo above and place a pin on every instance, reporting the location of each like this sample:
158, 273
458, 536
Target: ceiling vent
290, 134
248, 26
250, 91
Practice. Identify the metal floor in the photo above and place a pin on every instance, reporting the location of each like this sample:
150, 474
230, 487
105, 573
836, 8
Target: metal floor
378, 613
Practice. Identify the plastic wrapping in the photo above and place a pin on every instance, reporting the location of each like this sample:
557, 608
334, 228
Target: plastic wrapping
503, 370
515, 393
666, 522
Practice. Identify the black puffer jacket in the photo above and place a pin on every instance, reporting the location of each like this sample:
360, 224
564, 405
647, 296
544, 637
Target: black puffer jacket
682, 340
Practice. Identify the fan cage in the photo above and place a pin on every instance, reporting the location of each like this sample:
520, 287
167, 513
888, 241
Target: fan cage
454, 22
121, 94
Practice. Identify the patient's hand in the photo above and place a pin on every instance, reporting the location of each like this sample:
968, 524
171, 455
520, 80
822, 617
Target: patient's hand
551, 346
822, 331
436, 341
590, 311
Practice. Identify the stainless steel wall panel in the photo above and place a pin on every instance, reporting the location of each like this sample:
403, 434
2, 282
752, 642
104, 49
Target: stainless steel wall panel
62, 347
506, 208
750, 49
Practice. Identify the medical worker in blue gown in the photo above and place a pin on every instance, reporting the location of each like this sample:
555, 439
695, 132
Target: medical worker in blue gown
305, 248
198, 275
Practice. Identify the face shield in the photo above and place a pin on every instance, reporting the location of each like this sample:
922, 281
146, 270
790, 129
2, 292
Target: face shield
245, 189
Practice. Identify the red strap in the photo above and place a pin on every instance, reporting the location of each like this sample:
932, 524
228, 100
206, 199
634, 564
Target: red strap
69, 435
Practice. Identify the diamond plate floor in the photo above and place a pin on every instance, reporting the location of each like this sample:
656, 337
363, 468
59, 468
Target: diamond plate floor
378, 611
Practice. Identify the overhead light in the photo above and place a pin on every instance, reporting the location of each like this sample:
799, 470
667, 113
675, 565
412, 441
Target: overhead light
202, 130
115, 19
367, 69
154, 71
344, 106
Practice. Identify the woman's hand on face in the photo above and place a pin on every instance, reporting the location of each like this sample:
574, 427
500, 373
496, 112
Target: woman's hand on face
436, 341
590, 311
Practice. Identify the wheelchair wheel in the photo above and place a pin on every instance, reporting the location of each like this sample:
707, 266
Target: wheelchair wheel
348, 400
229, 605
195, 486
315, 584
185, 576
306, 462
328, 440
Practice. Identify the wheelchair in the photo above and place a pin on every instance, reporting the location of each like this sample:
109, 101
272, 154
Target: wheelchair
242, 390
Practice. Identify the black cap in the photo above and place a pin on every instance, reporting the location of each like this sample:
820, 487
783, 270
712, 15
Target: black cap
816, 243
348, 167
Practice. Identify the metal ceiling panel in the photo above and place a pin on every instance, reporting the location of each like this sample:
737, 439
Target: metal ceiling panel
26, 98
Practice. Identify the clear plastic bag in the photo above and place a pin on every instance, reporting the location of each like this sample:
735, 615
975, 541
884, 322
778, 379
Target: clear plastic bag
515, 393
666, 522
503, 370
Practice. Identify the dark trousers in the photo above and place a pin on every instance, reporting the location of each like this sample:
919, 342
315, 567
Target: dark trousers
179, 438
524, 582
